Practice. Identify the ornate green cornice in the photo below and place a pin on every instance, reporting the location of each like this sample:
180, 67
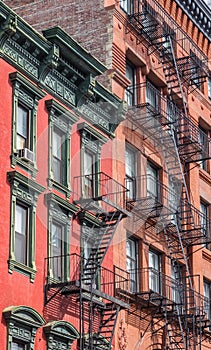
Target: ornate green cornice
52, 197
15, 177
53, 106
70, 48
23, 314
59, 65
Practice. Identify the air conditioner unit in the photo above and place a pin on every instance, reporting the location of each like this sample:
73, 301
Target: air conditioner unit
26, 154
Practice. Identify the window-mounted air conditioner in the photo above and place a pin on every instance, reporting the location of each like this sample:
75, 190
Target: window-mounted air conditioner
26, 154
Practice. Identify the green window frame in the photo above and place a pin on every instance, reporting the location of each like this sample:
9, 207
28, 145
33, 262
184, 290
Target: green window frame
24, 196
60, 213
25, 101
22, 324
60, 125
91, 145
60, 334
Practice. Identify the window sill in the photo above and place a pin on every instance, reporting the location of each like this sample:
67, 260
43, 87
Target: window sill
14, 265
30, 167
59, 187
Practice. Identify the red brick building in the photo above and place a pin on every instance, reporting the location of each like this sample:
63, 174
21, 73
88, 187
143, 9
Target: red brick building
158, 58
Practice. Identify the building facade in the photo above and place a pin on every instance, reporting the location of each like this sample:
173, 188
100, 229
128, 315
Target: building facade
148, 286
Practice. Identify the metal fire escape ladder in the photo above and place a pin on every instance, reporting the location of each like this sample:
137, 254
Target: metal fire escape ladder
103, 236
102, 315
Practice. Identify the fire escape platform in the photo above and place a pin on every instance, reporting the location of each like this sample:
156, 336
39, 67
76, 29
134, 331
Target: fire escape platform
87, 292
93, 205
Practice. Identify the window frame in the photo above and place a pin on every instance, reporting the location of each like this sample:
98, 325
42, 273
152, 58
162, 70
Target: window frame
206, 216
91, 141
155, 273
22, 324
127, 6
60, 213
135, 262
207, 283
203, 163
155, 179
130, 92
27, 95
61, 120
131, 179
24, 191
60, 333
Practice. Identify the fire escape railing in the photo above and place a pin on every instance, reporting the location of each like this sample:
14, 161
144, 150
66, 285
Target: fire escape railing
154, 23
99, 188
57, 275
192, 142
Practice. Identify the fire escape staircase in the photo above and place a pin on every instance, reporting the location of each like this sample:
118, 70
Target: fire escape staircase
108, 209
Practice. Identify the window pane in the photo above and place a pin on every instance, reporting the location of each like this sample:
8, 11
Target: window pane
57, 145
57, 156
89, 166
132, 263
130, 172
57, 251
22, 128
154, 272
17, 346
57, 172
130, 91
21, 222
152, 180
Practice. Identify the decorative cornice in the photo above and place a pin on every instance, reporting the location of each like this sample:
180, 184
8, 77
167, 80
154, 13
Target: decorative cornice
199, 13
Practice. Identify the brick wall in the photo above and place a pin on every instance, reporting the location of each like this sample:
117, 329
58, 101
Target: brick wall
88, 22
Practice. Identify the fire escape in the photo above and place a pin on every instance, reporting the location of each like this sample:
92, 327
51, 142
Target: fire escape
102, 199
176, 304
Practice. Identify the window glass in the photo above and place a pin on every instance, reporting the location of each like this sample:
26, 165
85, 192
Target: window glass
127, 6
132, 263
154, 272
89, 172
15, 345
57, 250
57, 156
21, 222
203, 140
131, 166
207, 302
130, 91
22, 137
152, 181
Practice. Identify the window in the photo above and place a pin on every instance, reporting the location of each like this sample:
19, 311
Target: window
207, 298
132, 263
130, 94
90, 173
209, 87
60, 123
91, 143
152, 96
197, 76
131, 171
22, 324
57, 250
168, 34
59, 220
177, 284
21, 233
16, 345
154, 271
24, 194
60, 334
203, 140
204, 209
25, 101
23, 122
153, 188
127, 6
